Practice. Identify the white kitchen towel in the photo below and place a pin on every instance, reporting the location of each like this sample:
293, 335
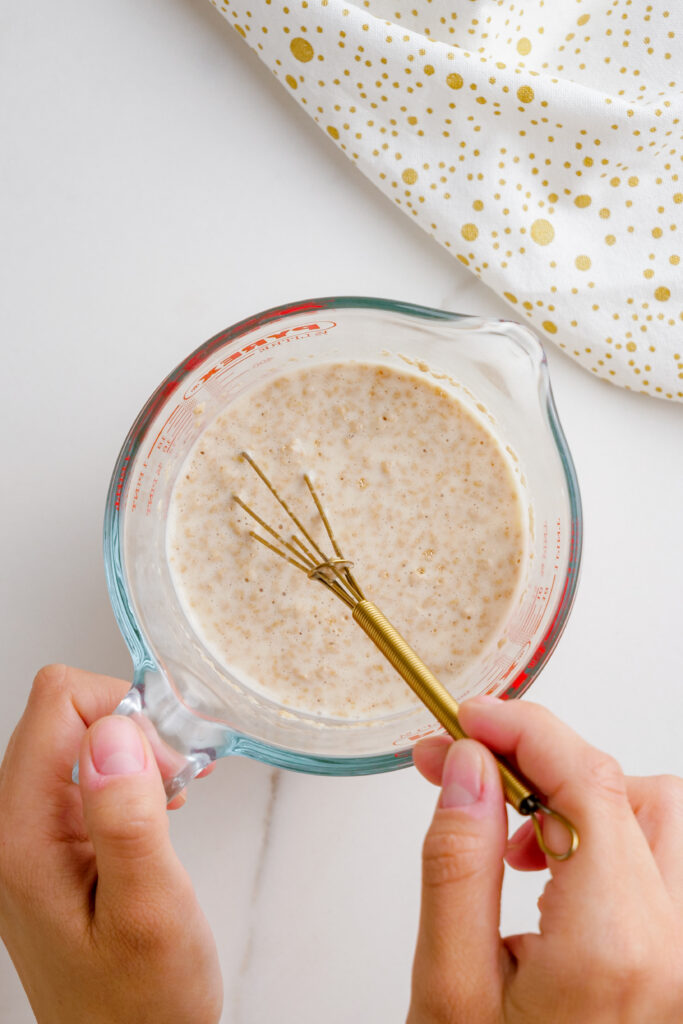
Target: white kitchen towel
538, 140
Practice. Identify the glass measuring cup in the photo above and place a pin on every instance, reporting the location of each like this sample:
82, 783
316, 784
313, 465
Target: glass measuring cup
194, 709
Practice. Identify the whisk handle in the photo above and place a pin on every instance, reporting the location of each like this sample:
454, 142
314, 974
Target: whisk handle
444, 707
436, 697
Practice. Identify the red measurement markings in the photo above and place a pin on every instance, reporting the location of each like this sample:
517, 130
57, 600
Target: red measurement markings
170, 429
119, 482
523, 679
225, 386
163, 443
501, 669
544, 550
264, 318
418, 734
288, 334
165, 424
530, 616
185, 425
155, 481
138, 485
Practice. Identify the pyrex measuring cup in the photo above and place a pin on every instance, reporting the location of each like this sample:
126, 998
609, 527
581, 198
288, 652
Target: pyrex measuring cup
192, 707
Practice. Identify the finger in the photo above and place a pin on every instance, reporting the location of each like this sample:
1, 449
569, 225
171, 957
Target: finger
429, 757
91, 695
63, 702
124, 806
178, 801
657, 803
523, 852
181, 798
35, 780
458, 958
169, 761
581, 782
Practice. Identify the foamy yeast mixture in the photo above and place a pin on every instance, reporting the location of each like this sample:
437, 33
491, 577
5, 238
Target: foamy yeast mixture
420, 497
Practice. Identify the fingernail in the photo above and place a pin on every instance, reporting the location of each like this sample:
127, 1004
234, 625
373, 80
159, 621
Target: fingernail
116, 747
463, 775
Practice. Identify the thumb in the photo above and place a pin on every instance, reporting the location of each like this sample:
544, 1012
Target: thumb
124, 807
458, 962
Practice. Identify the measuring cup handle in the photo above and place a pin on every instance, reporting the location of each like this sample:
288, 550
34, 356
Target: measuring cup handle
184, 744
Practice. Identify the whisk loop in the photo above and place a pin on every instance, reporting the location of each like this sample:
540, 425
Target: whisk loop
335, 574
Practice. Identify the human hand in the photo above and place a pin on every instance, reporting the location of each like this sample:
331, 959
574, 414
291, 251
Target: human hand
610, 949
98, 914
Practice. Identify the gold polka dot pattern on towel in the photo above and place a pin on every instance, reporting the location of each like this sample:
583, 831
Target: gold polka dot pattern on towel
542, 147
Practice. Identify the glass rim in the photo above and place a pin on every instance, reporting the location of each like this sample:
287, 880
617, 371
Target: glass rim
144, 660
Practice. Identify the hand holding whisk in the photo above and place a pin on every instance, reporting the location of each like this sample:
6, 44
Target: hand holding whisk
334, 572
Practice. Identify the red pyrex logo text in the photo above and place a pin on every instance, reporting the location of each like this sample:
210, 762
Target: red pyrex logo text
270, 340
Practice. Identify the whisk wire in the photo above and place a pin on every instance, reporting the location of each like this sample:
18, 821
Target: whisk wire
323, 515
300, 544
271, 531
281, 501
335, 574
350, 579
267, 544
311, 569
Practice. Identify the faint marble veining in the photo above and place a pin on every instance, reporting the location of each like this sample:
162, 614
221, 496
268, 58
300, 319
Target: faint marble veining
263, 853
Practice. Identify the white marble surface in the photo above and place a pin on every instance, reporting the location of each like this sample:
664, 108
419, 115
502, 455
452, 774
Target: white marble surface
158, 185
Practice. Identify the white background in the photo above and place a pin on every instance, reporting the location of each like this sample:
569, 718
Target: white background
157, 186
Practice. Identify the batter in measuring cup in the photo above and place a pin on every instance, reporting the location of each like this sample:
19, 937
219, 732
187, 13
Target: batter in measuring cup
421, 497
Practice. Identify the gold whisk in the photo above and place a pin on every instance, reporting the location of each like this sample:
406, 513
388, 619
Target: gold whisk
335, 574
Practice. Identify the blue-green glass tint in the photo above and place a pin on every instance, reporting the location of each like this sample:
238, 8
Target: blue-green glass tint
195, 708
